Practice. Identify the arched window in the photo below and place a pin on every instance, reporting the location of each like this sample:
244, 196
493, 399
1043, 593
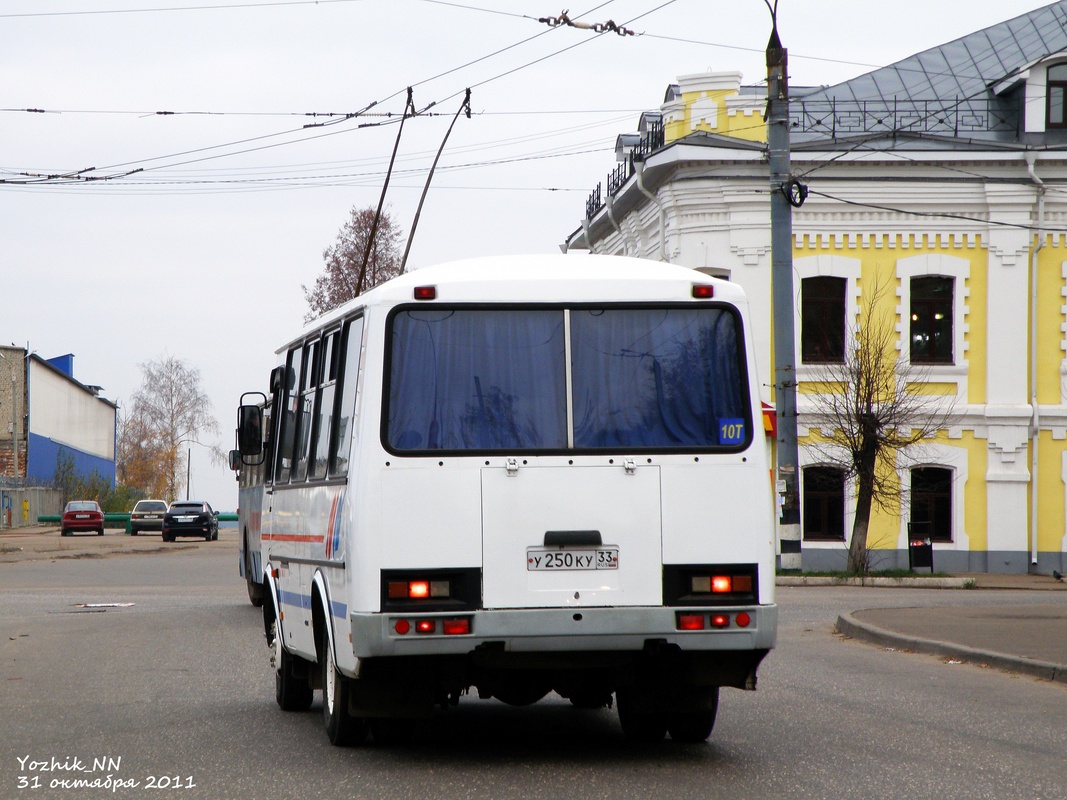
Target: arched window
1057, 96
824, 503
931, 501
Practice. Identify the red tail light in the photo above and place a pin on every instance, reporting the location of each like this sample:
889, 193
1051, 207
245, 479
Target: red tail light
690, 622
456, 627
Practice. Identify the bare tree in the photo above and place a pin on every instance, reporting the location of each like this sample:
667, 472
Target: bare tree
168, 411
869, 415
340, 280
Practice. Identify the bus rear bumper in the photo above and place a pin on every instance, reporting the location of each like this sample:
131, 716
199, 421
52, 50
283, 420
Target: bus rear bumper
562, 630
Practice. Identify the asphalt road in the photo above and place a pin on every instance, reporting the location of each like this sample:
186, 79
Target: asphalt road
175, 692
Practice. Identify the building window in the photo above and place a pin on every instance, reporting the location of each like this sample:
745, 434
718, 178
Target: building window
931, 502
1057, 94
824, 503
822, 320
931, 320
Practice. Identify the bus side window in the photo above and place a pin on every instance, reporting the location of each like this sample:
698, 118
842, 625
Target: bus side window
308, 391
348, 363
324, 406
290, 399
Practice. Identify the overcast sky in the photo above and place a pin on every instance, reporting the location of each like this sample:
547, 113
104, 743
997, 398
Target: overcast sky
201, 224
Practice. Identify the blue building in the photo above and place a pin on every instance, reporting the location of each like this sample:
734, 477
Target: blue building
45, 414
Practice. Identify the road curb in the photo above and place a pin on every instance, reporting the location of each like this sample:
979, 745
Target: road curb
850, 626
873, 581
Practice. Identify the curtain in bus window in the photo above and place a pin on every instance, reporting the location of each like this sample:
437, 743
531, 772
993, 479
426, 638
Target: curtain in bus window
477, 379
657, 378
287, 424
341, 443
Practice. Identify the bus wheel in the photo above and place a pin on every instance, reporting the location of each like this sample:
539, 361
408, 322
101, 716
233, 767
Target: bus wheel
646, 727
341, 727
292, 691
695, 726
255, 591
391, 731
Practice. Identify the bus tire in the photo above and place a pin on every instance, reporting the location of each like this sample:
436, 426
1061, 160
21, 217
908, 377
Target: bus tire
255, 590
694, 726
291, 689
342, 728
645, 727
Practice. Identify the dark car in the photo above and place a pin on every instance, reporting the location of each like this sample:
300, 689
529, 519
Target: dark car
147, 515
82, 515
190, 518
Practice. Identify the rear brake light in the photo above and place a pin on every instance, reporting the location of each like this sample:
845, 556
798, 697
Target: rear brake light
720, 584
425, 292
425, 626
720, 621
690, 622
456, 627
703, 291
419, 590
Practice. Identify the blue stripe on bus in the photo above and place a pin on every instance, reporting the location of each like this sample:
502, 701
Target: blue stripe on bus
337, 609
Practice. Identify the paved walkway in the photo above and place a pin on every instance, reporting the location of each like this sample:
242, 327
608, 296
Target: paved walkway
1030, 639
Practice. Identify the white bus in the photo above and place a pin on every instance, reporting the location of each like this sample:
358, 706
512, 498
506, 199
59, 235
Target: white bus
516, 475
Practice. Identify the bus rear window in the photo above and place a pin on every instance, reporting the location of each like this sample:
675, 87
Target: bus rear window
641, 378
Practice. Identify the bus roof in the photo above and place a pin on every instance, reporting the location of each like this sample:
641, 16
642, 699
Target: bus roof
547, 278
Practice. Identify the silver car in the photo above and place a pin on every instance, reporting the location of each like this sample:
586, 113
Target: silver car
147, 515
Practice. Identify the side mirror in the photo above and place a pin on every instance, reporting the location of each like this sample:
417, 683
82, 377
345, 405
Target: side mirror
234, 460
250, 426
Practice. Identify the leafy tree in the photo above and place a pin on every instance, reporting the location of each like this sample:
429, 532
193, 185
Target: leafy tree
869, 417
169, 412
340, 280
141, 454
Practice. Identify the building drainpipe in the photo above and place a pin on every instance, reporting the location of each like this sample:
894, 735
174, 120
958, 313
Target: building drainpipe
1035, 435
640, 167
610, 207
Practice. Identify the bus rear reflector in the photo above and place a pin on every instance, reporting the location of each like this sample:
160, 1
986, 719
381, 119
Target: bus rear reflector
402, 626
743, 620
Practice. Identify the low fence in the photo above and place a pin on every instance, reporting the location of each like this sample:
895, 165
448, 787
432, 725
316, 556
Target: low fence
22, 506
116, 519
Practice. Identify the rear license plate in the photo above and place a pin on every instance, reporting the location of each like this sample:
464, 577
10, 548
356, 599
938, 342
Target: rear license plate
81, 516
548, 559
150, 516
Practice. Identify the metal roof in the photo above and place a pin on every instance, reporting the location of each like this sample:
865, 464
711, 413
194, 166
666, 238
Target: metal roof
963, 68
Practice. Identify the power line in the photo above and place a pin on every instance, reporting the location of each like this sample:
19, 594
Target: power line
167, 9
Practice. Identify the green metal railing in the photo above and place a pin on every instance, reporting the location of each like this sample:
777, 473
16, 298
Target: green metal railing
119, 519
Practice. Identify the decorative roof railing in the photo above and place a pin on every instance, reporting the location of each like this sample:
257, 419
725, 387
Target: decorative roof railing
652, 140
833, 118
960, 116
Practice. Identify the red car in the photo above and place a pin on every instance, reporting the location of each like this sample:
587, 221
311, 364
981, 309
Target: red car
82, 515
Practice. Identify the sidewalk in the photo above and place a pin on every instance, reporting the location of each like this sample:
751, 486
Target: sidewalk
1030, 639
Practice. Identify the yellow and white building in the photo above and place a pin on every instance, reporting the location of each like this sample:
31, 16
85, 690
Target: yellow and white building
942, 177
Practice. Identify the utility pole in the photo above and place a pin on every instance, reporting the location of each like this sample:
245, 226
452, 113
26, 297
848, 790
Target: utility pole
787, 484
